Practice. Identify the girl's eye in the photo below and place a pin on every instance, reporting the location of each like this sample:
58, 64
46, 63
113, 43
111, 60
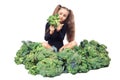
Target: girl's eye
64, 15
60, 13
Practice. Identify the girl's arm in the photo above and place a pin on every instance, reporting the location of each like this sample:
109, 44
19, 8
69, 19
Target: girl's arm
59, 35
47, 32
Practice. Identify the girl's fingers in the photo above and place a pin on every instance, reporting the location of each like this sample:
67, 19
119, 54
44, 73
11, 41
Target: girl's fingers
52, 28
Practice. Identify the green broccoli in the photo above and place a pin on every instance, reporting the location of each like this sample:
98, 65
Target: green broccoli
88, 55
53, 20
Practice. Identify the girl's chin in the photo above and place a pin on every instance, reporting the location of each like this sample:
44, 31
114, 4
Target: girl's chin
61, 21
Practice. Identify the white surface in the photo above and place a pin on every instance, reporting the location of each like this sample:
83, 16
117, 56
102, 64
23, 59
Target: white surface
25, 20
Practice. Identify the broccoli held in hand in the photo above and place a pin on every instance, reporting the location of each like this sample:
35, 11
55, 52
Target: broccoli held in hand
53, 20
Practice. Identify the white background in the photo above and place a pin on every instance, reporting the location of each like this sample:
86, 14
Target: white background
26, 19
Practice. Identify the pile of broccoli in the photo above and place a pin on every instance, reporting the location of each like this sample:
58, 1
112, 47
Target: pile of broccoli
88, 55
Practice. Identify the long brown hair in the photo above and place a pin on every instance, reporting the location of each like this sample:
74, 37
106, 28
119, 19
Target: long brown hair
70, 22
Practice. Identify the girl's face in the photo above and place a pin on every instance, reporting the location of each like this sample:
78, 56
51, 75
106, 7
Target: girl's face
63, 14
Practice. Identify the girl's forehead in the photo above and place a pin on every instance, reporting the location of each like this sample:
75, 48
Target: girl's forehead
63, 10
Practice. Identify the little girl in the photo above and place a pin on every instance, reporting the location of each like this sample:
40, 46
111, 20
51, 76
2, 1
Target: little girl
55, 36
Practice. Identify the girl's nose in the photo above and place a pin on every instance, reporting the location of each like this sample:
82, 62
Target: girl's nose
60, 17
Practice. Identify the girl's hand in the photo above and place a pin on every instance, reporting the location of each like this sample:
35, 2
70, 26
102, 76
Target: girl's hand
59, 27
52, 29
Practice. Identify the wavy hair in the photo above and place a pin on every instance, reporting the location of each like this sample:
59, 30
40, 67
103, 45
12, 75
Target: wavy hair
70, 22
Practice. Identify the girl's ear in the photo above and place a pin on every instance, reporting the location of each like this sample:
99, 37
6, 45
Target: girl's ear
57, 9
